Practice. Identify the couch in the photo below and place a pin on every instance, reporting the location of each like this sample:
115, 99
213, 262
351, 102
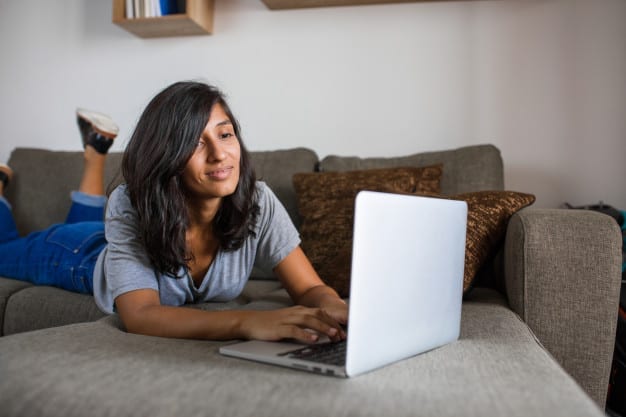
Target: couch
537, 330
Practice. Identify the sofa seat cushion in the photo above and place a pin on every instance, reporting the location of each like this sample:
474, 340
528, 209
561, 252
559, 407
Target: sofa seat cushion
8, 287
496, 368
39, 307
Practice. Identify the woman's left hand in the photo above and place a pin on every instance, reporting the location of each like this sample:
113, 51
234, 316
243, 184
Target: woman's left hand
306, 287
336, 308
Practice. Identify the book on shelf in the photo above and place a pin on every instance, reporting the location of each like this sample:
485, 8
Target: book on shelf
153, 8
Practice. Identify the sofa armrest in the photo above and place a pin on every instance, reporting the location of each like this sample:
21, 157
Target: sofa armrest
563, 276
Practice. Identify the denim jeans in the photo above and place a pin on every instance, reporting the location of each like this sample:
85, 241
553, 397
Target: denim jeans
64, 255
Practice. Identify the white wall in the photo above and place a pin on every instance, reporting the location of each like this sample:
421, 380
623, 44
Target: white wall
543, 80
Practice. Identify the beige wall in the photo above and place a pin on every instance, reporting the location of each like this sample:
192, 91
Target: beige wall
543, 80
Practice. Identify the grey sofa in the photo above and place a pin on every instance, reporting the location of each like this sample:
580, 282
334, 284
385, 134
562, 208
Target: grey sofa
536, 340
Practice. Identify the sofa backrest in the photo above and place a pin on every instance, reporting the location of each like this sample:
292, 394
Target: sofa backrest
466, 169
39, 192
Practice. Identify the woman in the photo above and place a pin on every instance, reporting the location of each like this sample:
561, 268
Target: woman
188, 226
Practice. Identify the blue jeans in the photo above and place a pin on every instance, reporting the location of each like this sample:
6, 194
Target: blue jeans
64, 255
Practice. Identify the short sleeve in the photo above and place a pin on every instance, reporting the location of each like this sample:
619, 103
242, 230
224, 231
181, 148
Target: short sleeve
125, 263
277, 235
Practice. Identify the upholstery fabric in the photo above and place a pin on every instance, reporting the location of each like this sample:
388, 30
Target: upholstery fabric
8, 287
488, 214
466, 169
39, 307
104, 371
563, 277
326, 206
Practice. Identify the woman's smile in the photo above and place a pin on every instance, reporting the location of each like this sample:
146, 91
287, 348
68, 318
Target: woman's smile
220, 173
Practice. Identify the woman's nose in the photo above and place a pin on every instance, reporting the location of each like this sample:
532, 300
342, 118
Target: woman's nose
216, 151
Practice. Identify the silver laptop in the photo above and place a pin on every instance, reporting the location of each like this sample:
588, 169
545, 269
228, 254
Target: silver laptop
405, 292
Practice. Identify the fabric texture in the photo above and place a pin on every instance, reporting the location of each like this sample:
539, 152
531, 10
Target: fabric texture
497, 368
326, 206
488, 214
40, 307
466, 169
563, 277
124, 265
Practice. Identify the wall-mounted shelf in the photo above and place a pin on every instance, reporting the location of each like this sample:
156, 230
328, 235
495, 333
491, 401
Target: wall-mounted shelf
197, 20
301, 4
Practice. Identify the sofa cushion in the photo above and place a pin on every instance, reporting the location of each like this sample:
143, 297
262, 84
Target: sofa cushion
466, 169
488, 214
326, 205
39, 307
8, 287
497, 368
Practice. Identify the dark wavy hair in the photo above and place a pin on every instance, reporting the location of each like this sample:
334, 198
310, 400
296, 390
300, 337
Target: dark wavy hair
164, 140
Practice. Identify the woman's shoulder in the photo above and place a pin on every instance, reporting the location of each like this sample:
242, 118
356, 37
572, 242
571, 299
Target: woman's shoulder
264, 194
119, 201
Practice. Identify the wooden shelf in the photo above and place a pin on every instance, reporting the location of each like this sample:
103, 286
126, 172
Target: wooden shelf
197, 20
301, 4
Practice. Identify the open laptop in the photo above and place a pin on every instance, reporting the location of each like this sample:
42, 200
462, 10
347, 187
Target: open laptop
405, 292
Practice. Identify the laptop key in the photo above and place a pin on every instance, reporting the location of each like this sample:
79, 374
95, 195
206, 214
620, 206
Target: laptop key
327, 353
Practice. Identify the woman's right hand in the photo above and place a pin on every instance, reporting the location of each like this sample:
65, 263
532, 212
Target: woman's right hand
303, 324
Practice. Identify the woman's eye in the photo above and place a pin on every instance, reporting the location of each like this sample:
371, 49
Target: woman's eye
226, 135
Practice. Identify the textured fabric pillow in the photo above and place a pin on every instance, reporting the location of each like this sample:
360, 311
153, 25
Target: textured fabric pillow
488, 214
326, 207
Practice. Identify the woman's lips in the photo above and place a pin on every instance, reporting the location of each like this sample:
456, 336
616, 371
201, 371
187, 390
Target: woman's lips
220, 174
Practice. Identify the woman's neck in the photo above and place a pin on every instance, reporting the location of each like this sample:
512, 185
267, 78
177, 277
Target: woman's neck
200, 238
202, 213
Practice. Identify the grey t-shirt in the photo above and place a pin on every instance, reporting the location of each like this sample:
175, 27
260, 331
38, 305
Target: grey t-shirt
124, 265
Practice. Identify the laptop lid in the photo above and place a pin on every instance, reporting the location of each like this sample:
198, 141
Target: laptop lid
407, 277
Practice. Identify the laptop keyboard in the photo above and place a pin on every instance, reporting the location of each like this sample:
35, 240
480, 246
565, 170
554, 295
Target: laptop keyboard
327, 353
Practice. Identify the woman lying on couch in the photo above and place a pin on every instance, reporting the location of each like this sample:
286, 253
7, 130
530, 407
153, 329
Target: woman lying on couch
188, 225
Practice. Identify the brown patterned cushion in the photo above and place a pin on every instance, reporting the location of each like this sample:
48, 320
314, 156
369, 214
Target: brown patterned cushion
326, 206
488, 214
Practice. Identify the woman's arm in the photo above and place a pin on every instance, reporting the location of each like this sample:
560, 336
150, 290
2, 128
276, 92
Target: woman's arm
306, 287
142, 313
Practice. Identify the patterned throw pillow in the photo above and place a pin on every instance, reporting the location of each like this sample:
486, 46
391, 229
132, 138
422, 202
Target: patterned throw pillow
326, 207
488, 214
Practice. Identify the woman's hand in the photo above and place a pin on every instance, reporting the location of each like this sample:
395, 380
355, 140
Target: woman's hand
306, 288
335, 307
301, 323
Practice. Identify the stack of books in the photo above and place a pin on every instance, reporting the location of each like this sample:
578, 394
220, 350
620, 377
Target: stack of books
153, 8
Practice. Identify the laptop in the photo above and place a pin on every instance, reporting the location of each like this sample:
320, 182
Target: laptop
406, 288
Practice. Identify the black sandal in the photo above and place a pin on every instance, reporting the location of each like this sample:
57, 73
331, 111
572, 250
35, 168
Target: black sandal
97, 130
5, 177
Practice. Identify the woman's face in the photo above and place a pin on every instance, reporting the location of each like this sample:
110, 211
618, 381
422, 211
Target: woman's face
213, 169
